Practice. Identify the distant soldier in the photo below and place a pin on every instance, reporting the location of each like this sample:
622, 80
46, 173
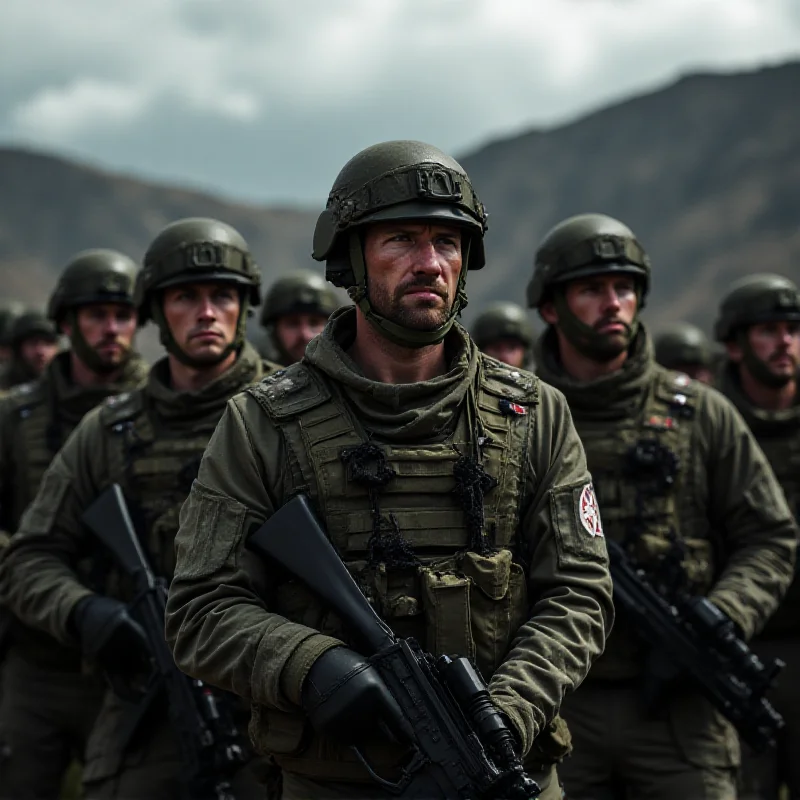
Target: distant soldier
682, 486
48, 705
197, 284
34, 342
9, 311
759, 323
685, 348
504, 332
296, 308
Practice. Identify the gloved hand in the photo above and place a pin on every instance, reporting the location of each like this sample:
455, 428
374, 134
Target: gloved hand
345, 697
109, 635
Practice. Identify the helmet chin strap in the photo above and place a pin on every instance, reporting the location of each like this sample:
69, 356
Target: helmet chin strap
584, 338
393, 331
172, 347
758, 368
86, 353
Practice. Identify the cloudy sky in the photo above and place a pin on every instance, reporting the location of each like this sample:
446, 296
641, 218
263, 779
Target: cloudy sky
266, 99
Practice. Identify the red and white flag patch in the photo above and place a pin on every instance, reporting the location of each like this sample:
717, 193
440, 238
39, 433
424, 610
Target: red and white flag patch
589, 511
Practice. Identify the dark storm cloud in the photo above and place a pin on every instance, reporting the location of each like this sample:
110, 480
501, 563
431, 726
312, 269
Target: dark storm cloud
267, 100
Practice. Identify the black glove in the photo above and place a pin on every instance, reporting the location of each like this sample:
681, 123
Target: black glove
345, 697
109, 635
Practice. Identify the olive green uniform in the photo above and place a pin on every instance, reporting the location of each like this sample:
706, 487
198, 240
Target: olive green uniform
150, 441
533, 610
48, 705
778, 434
674, 466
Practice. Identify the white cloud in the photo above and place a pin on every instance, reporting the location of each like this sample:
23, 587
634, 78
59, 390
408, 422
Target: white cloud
298, 87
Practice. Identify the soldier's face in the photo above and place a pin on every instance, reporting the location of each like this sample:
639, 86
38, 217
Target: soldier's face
509, 351
202, 318
108, 328
412, 272
607, 303
777, 345
37, 352
295, 331
696, 371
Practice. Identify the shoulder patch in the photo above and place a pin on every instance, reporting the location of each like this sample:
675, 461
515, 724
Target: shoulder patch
289, 391
512, 384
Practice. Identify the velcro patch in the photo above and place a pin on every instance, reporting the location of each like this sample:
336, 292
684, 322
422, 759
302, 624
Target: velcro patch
589, 511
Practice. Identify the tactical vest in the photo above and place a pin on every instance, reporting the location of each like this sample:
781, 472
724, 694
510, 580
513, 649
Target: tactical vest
38, 437
387, 505
155, 467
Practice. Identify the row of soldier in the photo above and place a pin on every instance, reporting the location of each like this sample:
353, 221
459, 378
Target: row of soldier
515, 519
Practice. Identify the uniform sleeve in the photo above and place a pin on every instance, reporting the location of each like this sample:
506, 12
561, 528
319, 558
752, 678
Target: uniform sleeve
570, 589
748, 508
38, 579
218, 622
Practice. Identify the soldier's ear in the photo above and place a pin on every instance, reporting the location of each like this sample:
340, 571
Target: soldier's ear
547, 311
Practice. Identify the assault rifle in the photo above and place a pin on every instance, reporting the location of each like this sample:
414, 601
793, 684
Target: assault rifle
691, 635
208, 740
462, 747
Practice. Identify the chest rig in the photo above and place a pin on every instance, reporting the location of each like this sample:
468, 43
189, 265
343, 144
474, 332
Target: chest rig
39, 435
155, 465
783, 453
640, 467
430, 530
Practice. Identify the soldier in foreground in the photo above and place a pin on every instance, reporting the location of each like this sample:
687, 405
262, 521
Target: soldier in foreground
681, 483
197, 283
34, 343
296, 308
9, 311
449, 483
759, 324
504, 332
48, 707
685, 348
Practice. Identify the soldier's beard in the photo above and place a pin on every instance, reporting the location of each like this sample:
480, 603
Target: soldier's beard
391, 305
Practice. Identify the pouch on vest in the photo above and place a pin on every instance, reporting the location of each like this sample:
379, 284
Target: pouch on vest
277, 732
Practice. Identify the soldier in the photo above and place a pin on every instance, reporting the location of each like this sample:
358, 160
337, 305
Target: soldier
679, 478
503, 332
759, 324
441, 475
34, 343
9, 311
685, 348
296, 308
197, 284
48, 706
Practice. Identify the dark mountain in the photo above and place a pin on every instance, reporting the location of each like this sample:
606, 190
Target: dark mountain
705, 171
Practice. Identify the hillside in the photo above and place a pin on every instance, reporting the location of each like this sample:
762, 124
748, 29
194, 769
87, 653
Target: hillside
705, 171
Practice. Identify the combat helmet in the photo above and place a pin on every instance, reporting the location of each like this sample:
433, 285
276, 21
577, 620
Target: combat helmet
91, 276
585, 245
681, 344
502, 321
196, 250
756, 298
301, 292
32, 323
398, 180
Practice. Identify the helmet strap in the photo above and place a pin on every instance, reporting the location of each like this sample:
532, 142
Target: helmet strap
394, 332
172, 347
584, 338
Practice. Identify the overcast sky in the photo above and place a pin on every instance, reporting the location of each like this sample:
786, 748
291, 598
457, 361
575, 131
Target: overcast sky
266, 99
